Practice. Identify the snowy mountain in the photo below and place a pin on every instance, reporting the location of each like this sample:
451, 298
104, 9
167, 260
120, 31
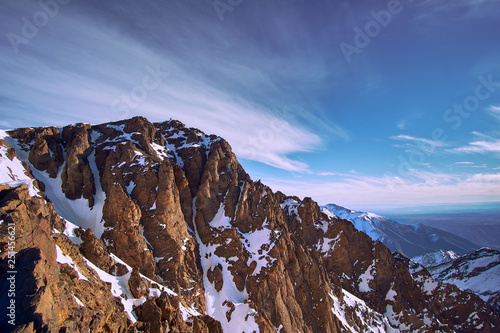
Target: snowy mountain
436, 258
410, 240
478, 271
135, 226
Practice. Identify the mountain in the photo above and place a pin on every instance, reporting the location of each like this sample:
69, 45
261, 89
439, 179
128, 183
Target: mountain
478, 272
436, 258
138, 226
479, 225
410, 240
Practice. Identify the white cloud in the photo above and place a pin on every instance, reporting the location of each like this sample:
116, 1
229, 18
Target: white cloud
494, 111
327, 173
484, 143
414, 143
419, 140
422, 187
67, 88
486, 177
488, 144
468, 165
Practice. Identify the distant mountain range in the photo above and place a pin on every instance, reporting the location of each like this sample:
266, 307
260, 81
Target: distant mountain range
410, 240
481, 228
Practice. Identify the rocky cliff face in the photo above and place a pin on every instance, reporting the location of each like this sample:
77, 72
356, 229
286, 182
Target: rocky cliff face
164, 231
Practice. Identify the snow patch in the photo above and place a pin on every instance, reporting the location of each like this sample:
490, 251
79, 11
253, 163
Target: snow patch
70, 232
257, 243
365, 278
78, 301
130, 187
218, 302
13, 173
327, 244
429, 286
77, 211
391, 294
64, 259
356, 316
221, 221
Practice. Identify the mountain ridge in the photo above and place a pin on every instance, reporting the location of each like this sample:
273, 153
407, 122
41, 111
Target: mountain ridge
478, 271
170, 229
410, 240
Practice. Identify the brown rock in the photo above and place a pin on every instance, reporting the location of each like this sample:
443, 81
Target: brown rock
45, 152
122, 217
199, 325
138, 286
215, 277
77, 177
95, 251
151, 316
44, 287
213, 325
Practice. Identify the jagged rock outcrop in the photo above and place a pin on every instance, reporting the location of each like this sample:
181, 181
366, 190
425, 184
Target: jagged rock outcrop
96, 252
48, 292
44, 146
188, 241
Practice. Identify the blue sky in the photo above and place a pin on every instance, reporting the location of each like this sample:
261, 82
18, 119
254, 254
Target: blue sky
361, 103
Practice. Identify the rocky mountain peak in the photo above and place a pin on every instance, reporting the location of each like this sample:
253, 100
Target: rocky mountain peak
163, 229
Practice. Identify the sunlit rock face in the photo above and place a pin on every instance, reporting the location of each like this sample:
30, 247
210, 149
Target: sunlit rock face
139, 226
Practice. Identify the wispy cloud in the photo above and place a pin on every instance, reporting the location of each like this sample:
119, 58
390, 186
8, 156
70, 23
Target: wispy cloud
494, 111
234, 95
351, 173
422, 187
418, 143
467, 165
488, 144
328, 173
419, 140
462, 8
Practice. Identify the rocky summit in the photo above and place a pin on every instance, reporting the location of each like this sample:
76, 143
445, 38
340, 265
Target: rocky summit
135, 226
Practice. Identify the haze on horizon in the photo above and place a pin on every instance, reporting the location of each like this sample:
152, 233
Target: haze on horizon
359, 103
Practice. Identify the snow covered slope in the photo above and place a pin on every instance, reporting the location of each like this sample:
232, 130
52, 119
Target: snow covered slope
436, 258
12, 170
410, 240
478, 271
